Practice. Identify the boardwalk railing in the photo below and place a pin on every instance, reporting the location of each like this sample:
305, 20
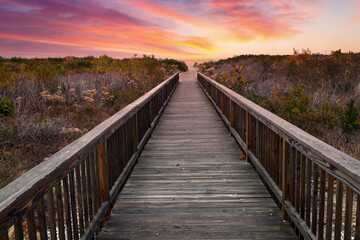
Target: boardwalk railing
68, 195
317, 186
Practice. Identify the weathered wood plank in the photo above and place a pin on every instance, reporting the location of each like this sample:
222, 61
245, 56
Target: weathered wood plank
184, 177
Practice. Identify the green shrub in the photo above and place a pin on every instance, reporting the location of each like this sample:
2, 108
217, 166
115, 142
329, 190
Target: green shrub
181, 65
350, 120
130, 95
294, 106
7, 107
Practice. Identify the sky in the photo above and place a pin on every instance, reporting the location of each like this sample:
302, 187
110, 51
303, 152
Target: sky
182, 29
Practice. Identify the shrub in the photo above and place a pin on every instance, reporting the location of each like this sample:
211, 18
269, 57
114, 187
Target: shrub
130, 95
181, 65
294, 106
350, 120
7, 107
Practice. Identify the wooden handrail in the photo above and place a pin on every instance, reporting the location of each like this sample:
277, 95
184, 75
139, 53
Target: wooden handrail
292, 163
85, 176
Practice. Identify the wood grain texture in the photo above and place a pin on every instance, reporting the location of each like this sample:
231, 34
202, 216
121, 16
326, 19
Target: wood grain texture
190, 184
339, 164
21, 194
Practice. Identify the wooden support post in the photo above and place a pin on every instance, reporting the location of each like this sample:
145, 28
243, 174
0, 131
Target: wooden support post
231, 116
18, 227
247, 135
222, 102
285, 216
4, 236
136, 142
150, 112
103, 171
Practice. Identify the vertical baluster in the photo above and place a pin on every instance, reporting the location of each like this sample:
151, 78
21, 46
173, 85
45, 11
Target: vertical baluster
257, 139
248, 134
308, 191
90, 185
30, 218
329, 209
338, 211
103, 172
293, 174
95, 169
42, 219
85, 192
303, 194
298, 180
4, 236
280, 161
315, 199
357, 227
285, 176
73, 205
231, 115
60, 211
322, 204
67, 208
79, 200
348, 213
52, 221
18, 227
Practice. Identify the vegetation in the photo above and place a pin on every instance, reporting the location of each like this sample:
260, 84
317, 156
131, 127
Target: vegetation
47, 103
318, 93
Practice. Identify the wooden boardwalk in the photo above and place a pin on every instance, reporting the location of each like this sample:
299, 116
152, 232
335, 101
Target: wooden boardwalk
190, 184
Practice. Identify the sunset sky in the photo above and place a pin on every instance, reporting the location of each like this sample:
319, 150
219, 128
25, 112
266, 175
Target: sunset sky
182, 29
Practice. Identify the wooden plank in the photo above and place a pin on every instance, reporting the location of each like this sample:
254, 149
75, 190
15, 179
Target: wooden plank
42, 219
51, 212
348, 214
308, 191
73, 206
67, 208
4, 236
339, 208
284, 171
79, 198
103, 172
299, 222
325, 156
16, 196
84, 183
174, 185
18, 227
329, 209
322, 204
30, 218
357, 227
60, 211
303, 193
89, 187
315, 199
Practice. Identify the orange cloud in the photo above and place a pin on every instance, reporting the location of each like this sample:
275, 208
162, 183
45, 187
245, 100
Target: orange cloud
168, 28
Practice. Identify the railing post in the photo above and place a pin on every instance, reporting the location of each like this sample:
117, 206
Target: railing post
222, 102
231, 116
4, 236
150, 112
285, 196
136, 130
103, 171
248, 134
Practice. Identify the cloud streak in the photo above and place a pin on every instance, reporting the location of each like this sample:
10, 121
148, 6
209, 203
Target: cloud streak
184, 29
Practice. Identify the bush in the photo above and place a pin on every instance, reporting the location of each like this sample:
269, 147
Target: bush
181, 65
7, 107
350, 120
131, 94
